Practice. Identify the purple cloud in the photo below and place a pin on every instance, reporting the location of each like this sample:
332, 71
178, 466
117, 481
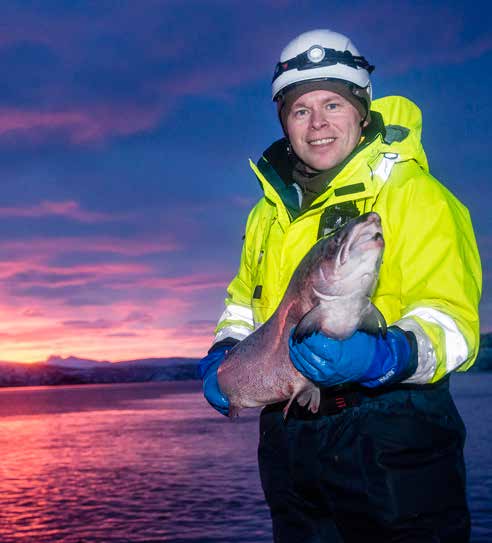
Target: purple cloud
69, 209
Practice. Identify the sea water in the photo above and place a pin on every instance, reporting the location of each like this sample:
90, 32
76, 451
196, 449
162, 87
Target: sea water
153, 462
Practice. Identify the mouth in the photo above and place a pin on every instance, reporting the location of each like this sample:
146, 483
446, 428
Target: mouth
322, 141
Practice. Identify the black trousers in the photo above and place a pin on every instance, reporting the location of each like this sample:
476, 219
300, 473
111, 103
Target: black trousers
390, 469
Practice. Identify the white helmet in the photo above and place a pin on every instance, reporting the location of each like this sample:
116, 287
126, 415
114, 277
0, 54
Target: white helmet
321, 55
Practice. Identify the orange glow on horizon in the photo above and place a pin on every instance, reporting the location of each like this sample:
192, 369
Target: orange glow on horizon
131, 333
157, 344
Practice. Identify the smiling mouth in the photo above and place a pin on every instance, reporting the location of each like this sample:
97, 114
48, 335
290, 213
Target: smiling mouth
323, 141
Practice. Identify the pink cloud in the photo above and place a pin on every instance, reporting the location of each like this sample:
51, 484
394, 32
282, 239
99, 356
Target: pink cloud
88, 124
136, 318
186, 284
98, 324
44, 248
124, 334
18, 120
32, 312
104, 120
69, 209
54, 277
198, 328
12, 267
139, 317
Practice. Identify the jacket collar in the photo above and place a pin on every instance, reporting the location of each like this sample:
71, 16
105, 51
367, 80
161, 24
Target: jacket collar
345, 182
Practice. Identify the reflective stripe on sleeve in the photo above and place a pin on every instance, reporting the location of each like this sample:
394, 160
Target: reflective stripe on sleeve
235, 332
235, 322
235, 312
456, 347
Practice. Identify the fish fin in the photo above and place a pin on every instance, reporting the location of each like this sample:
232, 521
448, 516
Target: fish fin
314, 399
311, 398
304, 397
373, 322
309, 324
286, 408
298, 391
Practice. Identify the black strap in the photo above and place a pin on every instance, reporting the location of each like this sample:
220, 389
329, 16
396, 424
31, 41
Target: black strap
332, 57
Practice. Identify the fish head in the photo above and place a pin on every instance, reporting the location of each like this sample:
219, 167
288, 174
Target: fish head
351, 257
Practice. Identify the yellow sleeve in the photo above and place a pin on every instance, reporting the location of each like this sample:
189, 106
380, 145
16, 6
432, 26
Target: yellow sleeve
432, 266
237, 319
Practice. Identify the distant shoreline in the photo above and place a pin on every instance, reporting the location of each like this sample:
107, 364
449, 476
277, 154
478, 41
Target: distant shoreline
138, 371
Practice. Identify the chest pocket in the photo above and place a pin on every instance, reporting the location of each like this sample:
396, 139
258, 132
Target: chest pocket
335, 217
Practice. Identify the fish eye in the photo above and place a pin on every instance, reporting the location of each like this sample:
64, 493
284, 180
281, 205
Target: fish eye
338, 236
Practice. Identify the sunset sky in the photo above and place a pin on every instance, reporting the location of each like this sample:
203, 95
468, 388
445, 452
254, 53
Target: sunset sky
125, 133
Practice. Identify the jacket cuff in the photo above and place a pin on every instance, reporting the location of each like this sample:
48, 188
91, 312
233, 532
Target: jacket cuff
413, 360
227, 342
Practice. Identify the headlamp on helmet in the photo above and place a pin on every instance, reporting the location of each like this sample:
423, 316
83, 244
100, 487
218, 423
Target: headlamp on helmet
317, 56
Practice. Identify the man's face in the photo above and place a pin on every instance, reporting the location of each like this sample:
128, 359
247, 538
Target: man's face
323, 128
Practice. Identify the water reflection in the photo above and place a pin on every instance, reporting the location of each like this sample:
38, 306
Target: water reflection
144, 471
152, 462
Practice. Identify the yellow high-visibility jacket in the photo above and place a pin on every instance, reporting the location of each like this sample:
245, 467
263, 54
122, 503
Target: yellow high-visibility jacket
430, 277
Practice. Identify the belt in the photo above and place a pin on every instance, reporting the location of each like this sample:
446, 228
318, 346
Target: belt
336, 399
331, 403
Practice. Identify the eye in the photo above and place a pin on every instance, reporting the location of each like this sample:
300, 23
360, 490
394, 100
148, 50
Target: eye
332, 106
301, 113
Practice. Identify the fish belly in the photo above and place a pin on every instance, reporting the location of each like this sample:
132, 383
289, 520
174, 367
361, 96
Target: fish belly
251, 378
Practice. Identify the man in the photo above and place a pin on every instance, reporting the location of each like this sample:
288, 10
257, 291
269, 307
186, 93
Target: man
383, 459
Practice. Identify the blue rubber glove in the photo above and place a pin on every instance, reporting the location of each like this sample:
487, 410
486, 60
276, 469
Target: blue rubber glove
207, 369
367, 359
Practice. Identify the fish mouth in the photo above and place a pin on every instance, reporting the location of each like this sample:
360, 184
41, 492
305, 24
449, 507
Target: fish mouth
364, 235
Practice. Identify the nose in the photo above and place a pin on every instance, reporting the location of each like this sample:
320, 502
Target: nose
318, 118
